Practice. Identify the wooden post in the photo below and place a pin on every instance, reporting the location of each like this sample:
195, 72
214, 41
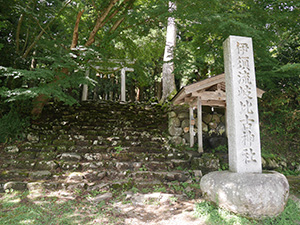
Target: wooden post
226, 122
85, 90
192, 122
123, 85
199, 116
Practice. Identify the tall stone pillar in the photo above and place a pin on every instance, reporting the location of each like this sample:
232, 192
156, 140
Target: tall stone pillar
242, 110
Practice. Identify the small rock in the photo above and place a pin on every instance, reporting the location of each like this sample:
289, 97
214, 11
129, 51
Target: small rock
44, 174
77, 186
79, 137
100, 198
92, 156
12, 149
33, 138
76, 176
46, 165
19, 186
35, 186
101, 175
137, 165
198, 175
70, 157
129, 195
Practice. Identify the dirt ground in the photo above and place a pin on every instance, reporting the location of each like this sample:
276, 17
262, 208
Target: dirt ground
158, 209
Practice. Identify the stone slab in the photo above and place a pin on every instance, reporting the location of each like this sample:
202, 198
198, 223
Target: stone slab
255, 195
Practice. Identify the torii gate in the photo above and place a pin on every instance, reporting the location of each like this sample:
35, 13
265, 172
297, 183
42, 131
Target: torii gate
208, 92
114, 69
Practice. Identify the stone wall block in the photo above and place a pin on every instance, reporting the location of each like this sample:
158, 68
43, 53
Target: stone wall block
174, 122
213, 125
185, 123
171, 114
221, 129
175, 131
177, 140
207, 118
216, 118
183, 115
204, 127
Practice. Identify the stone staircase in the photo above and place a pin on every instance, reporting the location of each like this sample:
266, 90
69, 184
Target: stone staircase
93, 146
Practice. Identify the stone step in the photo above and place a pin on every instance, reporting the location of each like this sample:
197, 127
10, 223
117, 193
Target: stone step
96, 181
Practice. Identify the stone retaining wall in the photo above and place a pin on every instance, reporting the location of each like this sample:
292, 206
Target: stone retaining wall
213, 126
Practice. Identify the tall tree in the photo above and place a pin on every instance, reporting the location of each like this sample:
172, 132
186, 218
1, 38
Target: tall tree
168, 79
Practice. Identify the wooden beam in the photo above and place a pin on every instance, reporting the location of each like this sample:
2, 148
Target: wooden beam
192, 122
199, 116
213, 103
205, 83
210, 95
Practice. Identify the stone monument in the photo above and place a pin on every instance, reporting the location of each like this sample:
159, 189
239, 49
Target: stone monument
244, 189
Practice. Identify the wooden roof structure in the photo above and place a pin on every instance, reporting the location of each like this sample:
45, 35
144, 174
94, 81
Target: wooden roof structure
211, 91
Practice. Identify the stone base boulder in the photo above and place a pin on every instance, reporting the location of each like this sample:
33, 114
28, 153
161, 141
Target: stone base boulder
254, 195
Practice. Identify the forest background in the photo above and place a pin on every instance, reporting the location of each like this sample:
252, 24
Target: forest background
46, 46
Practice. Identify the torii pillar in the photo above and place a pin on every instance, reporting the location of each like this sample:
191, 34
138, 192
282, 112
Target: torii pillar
123, 82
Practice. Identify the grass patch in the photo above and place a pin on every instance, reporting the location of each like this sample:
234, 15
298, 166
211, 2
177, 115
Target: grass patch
212, 215
19, 208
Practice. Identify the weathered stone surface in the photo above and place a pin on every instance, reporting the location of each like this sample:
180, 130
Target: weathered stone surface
197, 174
76, 176
12, 149
19, 186
70, 165
183, 115
207, 163
100, 198
43, 174
33, 138
175, 122
241, 104
46, 165
174, 131
171, 114
35, 186
93, 156
207, 118
272, 164
177, 140
255, 195
185, 123
70, 157
221, 129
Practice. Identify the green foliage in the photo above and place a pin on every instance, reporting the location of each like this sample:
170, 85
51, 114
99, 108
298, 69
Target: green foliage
118, 149
12, 127
220, 149
210, 214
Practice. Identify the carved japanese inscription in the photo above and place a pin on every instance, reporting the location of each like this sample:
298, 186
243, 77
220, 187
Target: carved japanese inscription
241, 101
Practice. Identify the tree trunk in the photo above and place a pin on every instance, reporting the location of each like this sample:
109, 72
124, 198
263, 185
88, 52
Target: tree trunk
168, 80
